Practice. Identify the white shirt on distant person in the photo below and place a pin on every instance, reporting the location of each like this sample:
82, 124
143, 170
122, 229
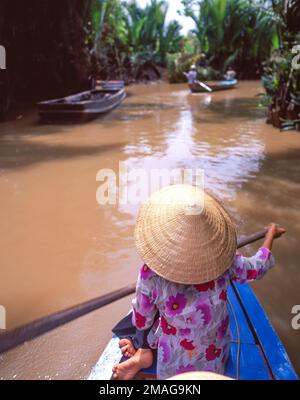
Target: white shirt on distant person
192, 76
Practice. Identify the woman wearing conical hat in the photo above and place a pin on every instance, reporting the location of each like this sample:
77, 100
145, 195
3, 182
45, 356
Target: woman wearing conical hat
188, 244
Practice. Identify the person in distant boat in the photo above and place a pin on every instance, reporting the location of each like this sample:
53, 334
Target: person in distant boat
188, 244
203, 61
192, 75
230, 74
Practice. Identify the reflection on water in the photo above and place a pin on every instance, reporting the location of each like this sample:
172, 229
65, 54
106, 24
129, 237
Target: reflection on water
186, 142
59, 247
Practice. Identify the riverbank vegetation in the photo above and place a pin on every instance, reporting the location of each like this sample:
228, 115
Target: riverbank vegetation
53, 47
229, 33
130, 42
281, 76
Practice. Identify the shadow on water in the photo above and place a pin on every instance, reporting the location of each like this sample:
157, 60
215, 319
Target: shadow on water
283, 165
138, 111
69, 121
21, 153
128, 116
216, 111
32, 126
149, 106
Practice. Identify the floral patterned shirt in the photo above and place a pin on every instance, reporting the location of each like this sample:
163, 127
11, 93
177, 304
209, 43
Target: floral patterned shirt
192, 332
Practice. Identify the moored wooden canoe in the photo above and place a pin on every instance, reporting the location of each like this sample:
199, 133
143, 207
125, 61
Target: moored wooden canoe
222, 85
82, 106
110, 85
255, 344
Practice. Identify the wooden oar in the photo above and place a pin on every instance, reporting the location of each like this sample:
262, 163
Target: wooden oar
17, 336
245, 240
206, 87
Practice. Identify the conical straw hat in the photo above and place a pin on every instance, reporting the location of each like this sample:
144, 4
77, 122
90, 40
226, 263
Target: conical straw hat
185, 236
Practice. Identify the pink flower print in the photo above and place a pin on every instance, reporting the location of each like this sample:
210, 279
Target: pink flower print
223, 328
264, 254
175, 304
223, 295
239, 264
251, 274
204, 287
153, 343
145, 303
140, 320
155, 325
166, 350
239, 271
185, 368
185, 332
221, 282
187, 344
154, 293
166, 327
145, 272
206, 312
260, 272
236, 279
212, 352
193, 319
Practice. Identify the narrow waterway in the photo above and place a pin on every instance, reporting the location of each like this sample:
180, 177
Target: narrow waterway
59, 247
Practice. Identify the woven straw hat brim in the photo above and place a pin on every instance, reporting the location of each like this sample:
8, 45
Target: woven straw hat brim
182, 245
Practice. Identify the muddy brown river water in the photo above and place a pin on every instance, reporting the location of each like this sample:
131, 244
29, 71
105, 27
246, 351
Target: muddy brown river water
59, 247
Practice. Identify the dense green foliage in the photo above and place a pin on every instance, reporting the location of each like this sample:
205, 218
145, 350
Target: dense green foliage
281, 76
233, 33
54, 46
45, 46
129, 38
130, 41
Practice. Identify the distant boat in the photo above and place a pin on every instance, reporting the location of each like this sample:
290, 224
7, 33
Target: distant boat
221, 85
256, 352
110, 85
82, 106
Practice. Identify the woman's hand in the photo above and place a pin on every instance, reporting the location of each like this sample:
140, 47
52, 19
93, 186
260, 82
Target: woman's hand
275, 231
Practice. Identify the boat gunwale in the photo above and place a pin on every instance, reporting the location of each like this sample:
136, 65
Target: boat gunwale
114, 94
283, 368
83, 110
221, 85
244, 294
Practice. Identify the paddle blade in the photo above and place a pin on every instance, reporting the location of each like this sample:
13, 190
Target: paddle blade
206, 87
